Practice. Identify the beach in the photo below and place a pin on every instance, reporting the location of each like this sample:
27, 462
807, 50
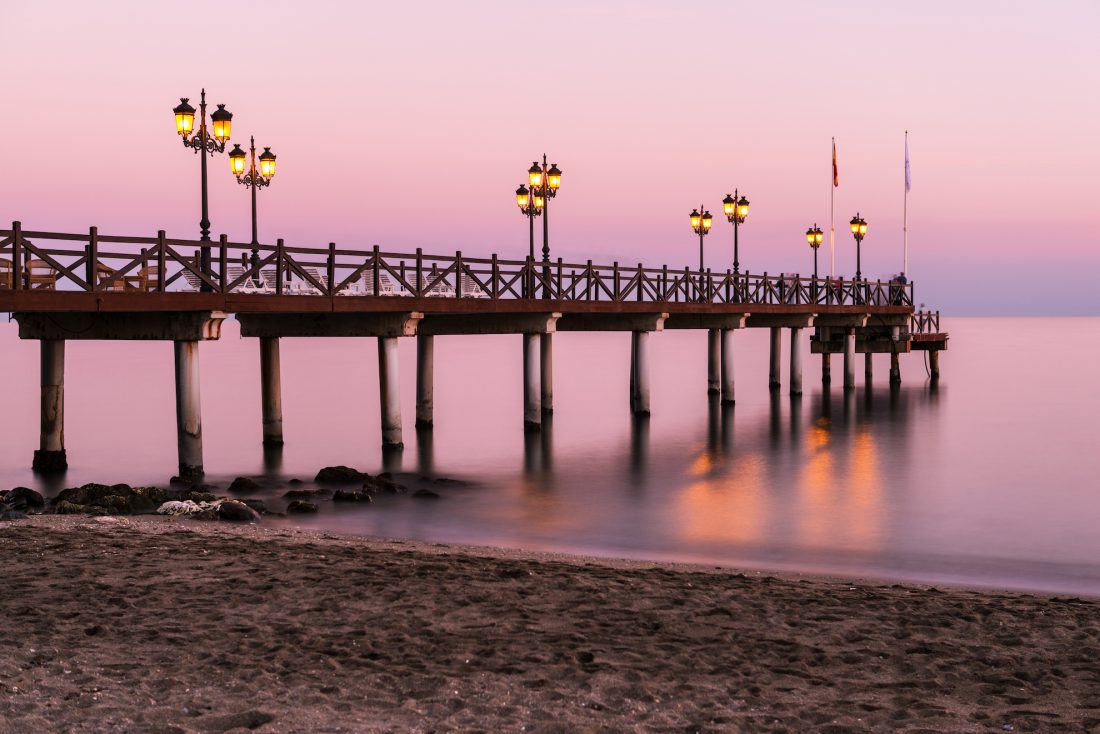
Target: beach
170, 625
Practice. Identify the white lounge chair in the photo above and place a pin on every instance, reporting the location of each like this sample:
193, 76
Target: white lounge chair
386, 286
471, 288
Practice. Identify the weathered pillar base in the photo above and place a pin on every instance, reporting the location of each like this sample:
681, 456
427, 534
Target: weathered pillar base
425, 379
776, 354
726, 344
532, 391
796, 361
50, 457
850, 359
868, 368
826, 368
895, 369
546, 362
934, 364
639, 373
49, 462
271, 398
714, 359
188, 411
389, 391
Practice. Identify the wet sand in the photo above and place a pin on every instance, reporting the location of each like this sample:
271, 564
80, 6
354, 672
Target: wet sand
163, 625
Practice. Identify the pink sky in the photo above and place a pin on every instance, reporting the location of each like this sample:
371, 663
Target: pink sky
411, 124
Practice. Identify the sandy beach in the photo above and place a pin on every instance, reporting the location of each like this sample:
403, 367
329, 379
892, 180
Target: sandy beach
172, 625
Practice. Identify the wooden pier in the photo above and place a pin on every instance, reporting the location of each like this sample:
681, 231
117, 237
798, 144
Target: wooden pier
64, 286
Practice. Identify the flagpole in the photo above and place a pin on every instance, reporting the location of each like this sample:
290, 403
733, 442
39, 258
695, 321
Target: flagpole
832, 230
905, 213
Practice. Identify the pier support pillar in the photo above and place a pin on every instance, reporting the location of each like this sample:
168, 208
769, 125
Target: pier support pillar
796, 361
714, 359
934, 364
532, 390
271, 397
389, 391
425, 376
826, 368
776, 355
850, 359
726, 343
50, 456
546, 371
188, 411
895, 369
639, 373
868, 368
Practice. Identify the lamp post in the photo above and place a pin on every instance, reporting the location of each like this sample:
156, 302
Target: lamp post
544, 180
202, 143
736, 209
859, 231
530, 205
701, 222
243, 166
814, 238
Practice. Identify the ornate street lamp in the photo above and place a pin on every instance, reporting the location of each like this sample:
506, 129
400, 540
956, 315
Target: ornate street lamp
244, 167
701, 222
530, 206
203, 141
736, 209
814, 238
544, 181
859, 231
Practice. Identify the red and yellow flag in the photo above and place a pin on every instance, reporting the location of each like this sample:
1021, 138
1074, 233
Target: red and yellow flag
836, 179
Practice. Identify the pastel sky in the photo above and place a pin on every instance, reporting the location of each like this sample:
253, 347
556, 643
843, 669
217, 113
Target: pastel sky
410, 124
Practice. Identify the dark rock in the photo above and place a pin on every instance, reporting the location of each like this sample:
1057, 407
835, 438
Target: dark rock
237, 512
340, 475
209, 513
382, 484
425, 494
184, 482
301, 507
449, 481
6, 514
138, 504
295, 482
348, 495
199, 496
155, 495
299, 494
71, 508
256, 505
22, 498
244, 485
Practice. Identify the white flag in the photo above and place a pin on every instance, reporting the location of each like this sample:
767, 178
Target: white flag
908, 180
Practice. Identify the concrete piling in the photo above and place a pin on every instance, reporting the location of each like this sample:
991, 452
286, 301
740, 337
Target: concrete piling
776, 354
546, 371
868, 368
50, 456
726, 343
895, 369
934, 364
188, 410
532, 390
796, 361
826, 368
271, 397
425, 377
850, 359
714, 368
639, 370
389, 390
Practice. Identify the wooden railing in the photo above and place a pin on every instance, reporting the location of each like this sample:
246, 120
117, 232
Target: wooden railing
924, 322
33, 260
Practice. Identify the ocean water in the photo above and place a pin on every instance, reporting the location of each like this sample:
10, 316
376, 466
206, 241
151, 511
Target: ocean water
991, 477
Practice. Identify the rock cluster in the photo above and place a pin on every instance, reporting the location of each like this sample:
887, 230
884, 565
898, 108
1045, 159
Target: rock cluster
15, 503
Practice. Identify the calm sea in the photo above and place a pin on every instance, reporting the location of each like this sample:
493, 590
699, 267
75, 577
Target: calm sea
991, 478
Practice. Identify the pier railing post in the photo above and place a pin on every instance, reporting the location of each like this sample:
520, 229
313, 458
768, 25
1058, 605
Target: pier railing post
50, 456
271, 397
188, 411
17, 256
93, 259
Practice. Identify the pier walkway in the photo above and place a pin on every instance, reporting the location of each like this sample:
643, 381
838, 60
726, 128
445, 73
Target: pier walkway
62, 286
